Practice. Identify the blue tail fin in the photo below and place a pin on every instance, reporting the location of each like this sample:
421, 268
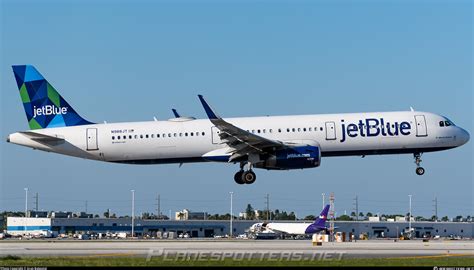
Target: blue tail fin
44, 106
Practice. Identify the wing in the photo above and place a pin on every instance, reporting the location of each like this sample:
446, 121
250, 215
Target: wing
240, 142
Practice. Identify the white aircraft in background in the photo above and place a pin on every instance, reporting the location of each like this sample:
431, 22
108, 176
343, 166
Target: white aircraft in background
269, 142
293, 228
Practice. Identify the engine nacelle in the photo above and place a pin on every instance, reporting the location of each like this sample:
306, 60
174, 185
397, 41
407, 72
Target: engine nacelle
298, 157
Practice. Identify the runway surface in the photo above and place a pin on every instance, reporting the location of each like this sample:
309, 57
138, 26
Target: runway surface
359, 249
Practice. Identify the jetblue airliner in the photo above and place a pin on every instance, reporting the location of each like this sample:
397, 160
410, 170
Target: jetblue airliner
271, 142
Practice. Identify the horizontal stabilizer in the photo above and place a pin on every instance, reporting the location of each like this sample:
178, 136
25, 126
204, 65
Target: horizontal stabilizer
42, 137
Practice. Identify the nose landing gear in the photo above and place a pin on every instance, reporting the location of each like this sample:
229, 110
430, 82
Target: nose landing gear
419, 170
245, 177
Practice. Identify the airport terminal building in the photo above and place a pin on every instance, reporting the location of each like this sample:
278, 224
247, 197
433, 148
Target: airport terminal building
213, 228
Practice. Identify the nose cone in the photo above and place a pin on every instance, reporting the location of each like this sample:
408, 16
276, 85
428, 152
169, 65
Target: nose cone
463, 136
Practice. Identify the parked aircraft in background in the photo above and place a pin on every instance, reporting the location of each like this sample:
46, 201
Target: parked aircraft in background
293, 228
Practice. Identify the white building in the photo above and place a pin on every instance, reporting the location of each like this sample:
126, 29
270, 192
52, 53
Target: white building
28, 226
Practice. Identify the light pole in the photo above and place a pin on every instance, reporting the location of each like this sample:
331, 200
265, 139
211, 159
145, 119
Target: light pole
26, 207
133, 212
231, 214
323, 199
26, 202
409, 218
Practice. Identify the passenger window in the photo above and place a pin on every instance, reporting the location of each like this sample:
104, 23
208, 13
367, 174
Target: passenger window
180, 134
141, 136
270, 130
152, 136
441, 123
203, 134
192, 134
186, 134
279, 130
299, 129
263, 131
293, 129
309, 129
113, 137
130, 136
118, 137
169, 135
287, 130
136, 136
157, 135
321, 128
175, 134
253, 130
146, 136
197, 133
304, 129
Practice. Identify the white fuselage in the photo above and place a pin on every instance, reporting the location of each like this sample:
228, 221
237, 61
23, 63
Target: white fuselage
288, 228
183, 140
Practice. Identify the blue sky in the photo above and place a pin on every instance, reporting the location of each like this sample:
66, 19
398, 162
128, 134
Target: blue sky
132, 60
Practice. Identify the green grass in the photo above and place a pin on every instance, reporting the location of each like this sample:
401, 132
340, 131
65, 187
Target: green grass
134, 261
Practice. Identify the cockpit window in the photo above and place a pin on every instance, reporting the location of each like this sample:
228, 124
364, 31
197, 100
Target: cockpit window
441, 123
447, 123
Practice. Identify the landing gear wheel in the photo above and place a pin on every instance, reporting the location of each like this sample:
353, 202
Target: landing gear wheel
420, 171
249, 177
238, 178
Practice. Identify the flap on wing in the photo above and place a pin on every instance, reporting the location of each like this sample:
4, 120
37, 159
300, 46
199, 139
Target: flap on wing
42, 137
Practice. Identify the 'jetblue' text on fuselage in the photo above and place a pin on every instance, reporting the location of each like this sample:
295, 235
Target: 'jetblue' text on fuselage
372, 127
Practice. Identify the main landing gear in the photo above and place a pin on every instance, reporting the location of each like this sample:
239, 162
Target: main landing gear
245, 177
419, 170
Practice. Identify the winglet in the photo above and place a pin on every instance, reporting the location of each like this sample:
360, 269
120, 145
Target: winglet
210, 113
176, 114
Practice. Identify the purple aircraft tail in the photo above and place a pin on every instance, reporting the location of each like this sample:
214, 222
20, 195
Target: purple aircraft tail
319, 223
321, 220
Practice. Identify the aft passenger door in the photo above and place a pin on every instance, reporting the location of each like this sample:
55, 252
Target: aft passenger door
330, 131
215, 135
421, 130
91, 136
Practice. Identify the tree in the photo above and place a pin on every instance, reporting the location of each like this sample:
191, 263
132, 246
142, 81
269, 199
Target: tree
344, 218
419, 218
433, 218
310, 217
96, 216
353, 214
292, 216
361, 214
250, 212
369, 214
445, 218
106, 214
